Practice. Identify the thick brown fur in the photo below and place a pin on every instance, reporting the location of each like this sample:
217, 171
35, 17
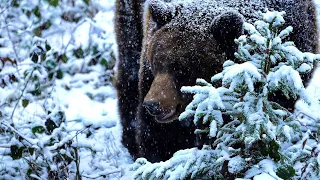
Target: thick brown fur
128, 27
176, 50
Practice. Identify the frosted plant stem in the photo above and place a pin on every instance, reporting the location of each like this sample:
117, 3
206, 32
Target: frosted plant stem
101, 175
53, 87
81, 131
5, 146
13, 45
4, 9
72, 35
17, 132
24, 88
78, 175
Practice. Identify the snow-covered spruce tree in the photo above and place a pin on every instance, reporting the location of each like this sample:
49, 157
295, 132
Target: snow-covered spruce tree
259, 137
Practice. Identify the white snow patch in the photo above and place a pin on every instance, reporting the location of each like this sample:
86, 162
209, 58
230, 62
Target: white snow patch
275, 17
236, 164
264, 176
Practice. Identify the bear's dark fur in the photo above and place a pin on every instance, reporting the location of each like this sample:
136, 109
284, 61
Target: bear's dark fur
128, 27
171, 45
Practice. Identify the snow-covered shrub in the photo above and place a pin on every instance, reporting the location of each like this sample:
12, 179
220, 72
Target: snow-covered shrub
260, 138
40, 44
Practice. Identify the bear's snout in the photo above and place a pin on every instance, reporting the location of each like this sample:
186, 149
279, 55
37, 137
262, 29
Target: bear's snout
151, 107
162, 115
163, 100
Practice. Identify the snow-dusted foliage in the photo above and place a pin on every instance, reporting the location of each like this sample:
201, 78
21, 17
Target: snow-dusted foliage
251, 136
185, 165
49, 52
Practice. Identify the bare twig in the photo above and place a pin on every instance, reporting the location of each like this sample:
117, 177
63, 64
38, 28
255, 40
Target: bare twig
53, 86
101, 175
10, 38
72, 34
78, 132
302, 113
78, 175
5, 8
5, 146
17, 132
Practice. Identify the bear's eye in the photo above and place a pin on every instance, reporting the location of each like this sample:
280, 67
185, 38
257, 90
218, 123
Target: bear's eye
180, 73
180, 70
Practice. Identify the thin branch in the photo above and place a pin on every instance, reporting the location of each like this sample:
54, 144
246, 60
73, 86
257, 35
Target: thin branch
78, 175
101, 175
24, 88
309, 116
78, 132
50, 93
5, 146
72, 34
17, 132
5, 8
10, 38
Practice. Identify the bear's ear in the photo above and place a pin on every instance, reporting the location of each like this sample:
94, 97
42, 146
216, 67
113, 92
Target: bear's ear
161, 12
227, 27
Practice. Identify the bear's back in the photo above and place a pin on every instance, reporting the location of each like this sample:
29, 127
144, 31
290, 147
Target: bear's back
198, 15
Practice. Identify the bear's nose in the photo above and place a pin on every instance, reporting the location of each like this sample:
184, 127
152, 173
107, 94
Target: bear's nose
152, 107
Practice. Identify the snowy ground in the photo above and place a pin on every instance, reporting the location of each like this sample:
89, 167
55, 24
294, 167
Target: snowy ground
79, 105
83, 98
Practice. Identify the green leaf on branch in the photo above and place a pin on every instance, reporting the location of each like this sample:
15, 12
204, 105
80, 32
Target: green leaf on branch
43, 57
63, 58
48, 47
37, 31
50, 76
36, 12
38, 129
274, 150
78, 53
25, 102
50, 64
15, 3
286, 172
34, 57
50, 125
104, 62
54, 3
86, 1
59, 74
29, 172
16, 152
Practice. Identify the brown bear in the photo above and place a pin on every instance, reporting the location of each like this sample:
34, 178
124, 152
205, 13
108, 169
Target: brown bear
164, 45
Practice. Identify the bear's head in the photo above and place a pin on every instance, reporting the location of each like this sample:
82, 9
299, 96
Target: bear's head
183, 43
